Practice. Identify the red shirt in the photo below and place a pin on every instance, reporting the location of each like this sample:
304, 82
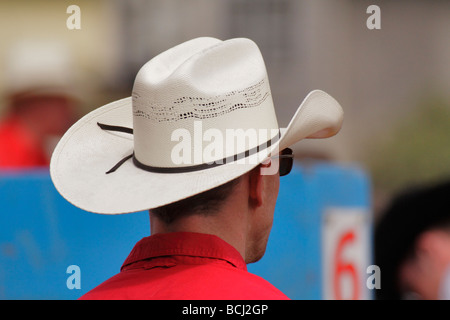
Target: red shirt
183, 265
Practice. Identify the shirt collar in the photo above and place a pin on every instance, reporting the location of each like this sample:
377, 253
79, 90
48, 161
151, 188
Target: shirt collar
185, 244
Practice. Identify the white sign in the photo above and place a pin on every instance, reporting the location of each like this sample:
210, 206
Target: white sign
346, 253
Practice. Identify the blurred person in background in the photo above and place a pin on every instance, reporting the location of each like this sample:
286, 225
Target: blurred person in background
39, 104
412, 245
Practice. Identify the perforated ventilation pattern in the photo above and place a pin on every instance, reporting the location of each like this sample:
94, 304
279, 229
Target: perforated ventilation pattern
198, 107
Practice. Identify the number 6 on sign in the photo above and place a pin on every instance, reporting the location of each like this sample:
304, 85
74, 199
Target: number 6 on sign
345, 253
344, 268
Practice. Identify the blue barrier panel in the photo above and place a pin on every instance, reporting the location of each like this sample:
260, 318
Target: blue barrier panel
41, 235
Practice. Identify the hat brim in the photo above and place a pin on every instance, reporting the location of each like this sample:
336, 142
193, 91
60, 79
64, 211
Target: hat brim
84, 154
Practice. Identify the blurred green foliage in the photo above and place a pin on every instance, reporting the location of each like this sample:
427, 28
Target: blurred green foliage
416, 150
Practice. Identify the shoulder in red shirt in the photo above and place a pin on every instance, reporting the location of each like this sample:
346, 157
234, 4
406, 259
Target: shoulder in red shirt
185, 266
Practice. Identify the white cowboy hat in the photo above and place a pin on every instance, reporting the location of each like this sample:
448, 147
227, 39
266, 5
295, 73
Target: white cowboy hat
187, 97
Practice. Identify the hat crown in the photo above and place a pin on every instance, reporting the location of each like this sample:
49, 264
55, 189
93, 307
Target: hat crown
203, 83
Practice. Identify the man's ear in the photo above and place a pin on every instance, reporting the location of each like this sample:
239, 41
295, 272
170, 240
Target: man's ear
256, 187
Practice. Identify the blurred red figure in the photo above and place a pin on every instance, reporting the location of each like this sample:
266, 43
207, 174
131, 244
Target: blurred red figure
33, 123
40, 103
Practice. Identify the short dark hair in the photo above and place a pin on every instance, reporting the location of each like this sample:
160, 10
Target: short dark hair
206, 202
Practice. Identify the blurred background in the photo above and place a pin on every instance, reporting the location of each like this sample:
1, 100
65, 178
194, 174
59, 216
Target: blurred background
393, 83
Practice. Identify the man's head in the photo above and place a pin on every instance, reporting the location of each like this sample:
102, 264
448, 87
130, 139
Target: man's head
241, 211
201, 114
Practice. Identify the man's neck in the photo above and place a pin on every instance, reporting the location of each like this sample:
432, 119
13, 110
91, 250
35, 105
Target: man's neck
229, 225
